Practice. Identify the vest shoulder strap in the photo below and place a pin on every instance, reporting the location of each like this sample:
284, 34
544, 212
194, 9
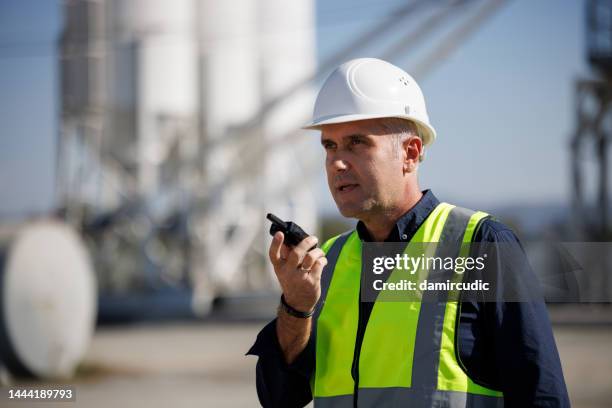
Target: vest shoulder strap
332, 249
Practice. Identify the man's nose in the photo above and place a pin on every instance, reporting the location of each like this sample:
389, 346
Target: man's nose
338, 164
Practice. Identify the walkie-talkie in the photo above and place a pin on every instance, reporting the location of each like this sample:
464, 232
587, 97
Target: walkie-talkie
293, 233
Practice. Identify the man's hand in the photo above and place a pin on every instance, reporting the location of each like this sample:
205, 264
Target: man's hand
298, 271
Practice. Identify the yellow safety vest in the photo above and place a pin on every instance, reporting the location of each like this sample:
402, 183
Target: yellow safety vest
408, 356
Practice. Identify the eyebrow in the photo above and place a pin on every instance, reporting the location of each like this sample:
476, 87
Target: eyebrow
325, 140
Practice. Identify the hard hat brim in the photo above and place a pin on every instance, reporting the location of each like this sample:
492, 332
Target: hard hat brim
428, 133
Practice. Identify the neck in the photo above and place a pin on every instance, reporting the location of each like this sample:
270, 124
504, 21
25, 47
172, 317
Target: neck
380, 225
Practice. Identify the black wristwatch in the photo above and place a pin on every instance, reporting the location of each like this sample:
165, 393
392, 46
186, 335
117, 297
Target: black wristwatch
293, 312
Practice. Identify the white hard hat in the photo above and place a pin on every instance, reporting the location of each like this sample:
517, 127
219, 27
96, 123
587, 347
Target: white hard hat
370, 88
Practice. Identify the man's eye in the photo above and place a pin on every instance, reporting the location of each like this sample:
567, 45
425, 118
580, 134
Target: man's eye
356, 141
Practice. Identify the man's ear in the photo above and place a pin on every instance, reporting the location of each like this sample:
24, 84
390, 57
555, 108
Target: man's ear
413, 150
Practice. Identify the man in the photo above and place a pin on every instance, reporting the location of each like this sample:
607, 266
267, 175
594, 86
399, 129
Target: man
329, 344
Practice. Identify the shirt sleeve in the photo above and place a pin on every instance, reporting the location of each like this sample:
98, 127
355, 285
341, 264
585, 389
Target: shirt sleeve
507, 345
280, 384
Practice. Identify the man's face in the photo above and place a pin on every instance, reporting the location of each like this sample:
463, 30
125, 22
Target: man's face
364, 167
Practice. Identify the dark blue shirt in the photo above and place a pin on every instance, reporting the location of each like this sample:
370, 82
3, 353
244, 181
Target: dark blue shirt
508, 346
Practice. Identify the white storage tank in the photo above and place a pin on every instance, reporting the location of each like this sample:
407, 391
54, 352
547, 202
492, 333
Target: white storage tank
47, 300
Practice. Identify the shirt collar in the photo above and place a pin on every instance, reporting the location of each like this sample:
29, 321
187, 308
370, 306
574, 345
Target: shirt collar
407, 224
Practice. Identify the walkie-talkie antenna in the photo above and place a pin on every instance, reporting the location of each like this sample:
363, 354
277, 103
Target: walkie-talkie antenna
276, 220
293, 233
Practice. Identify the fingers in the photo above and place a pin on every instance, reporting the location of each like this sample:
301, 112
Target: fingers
299, 252
311, 257
285, 252
275, 248
317, 268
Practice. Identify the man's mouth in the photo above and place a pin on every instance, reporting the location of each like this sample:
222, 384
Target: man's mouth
346, 188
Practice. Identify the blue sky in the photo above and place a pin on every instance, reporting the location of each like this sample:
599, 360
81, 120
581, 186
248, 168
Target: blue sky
28, 104
502, 104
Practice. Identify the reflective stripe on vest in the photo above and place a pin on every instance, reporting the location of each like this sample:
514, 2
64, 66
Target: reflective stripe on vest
408, 355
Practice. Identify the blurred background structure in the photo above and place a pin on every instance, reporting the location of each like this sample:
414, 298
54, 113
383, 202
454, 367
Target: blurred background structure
160, 134
176, 137
593, 126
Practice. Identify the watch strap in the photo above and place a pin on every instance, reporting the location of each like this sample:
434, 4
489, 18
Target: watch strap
294, 312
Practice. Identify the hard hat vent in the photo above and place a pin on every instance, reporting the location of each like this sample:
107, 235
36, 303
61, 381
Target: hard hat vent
404, 80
